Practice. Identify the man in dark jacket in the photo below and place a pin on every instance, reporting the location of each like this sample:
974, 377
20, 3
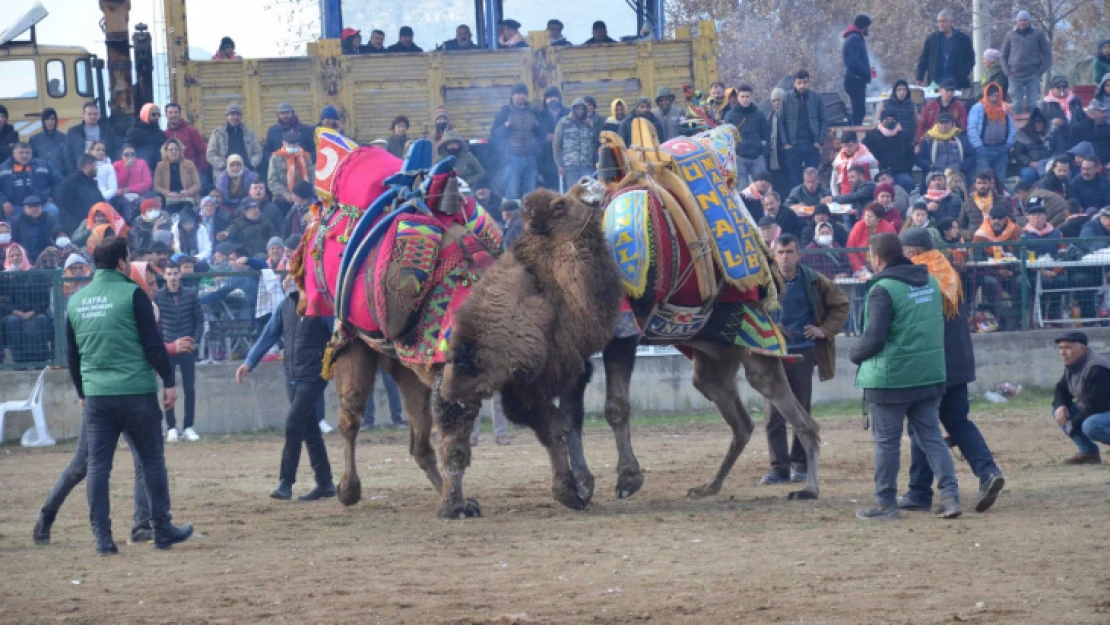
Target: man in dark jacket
250, 229
1090, 187
79, 192
90, 129
755, 135
1033, 147
1094, 129
1026, 56
287, 121
516, 131
1081, 404
892, 146
959, 365
1058, 178
297, 221
181, 316
803, 127
553, 111
813, 312
196, 148
49, 145
33, 227
862, 193
9, 136
600, 34
810, 193
489, 200
857, 66
404, 42
305, 339
641, 110
902, 371
147, 137
948, 53
22, 175
786, 218
463, 40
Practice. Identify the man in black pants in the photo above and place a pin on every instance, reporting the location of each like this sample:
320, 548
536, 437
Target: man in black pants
182, 317
114, 350
305, 340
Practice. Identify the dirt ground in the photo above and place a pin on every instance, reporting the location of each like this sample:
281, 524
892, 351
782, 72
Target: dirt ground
749, 555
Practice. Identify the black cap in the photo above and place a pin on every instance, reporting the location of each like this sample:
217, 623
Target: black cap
32, 200
158, 246
406, 31
999, 211
304, 190
291, 137
822, 209
249, 204
1072, 336
1036, 205
948, 84
480, 182
944, 117
917, 237
520, 88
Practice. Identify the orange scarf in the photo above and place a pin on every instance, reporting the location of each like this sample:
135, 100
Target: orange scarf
994, 113
1012, 232
947, 278
984, 204
296, 166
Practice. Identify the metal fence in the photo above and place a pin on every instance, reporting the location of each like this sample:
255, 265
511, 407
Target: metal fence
1008, 287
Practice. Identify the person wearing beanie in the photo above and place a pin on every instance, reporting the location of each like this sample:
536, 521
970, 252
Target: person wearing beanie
296, 221
291, 243
466, 164
404, 42
1060, 106
1025, 56
441, 124
948, 55
146, 136
49, 145
600, 34
552, 111
9, 136
226, 51
992, 130
144, 224
289, 165
517, 134
234, 137
857, 66
275, 254
463, 40
508, 35
946, 103
884, 196
276, 139
399, 136
329, 118
641, 109
891, 141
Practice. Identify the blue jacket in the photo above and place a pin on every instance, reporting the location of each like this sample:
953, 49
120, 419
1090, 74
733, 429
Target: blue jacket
1093, 229
1094, 194
857, 65
925, 154
975, 119
42, 179
1047, 243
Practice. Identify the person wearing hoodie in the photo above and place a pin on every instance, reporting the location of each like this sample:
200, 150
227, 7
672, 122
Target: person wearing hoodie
1033, 147
146, 136
466, 164
900, 104
573, 147
287, 122
441, 123
992, 131
1094, 129
9, 136
946, 103
516, 129
79, 192
1060, 106
617, 112
755, 135
1100, 65
669, 116
948, 55
1090, 187
1057, 178
49, 145
81, 136
902, 369
857, 66
1026, 56
891, 143
553, 110
642, 109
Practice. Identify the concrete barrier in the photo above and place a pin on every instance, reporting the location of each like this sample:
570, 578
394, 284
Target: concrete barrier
660, 384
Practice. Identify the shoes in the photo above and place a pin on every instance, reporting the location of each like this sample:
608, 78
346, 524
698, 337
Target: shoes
366, 427
106, 547
322, 491
949, 508
173, 535
989, 492
775, 477
325, 428
191, 435
907, 503
41, 534
503, 439
1082, 458
878, 513
798, 476
141, 534
171, 435
473, 440
284, 491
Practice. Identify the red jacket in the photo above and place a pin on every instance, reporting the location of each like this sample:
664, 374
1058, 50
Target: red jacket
860, 237
196, 149
931, 112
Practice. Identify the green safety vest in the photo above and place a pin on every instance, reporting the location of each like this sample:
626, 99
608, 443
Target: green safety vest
112, 359
914, 351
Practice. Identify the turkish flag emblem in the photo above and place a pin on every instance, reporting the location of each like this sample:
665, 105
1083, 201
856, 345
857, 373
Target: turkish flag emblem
331, 150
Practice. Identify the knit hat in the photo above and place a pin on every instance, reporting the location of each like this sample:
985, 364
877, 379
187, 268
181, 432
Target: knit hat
292, 241
233, 108
777, 94
862, 21
822, 209
935, 174
328, 112
885, 187
999, 211
480, 182
992, 55
552, 92
150, 204
441, 111
304, 190
75, 259
275, 241
520, 88
919, 204
227, 41
641, 100
223, 248
917, 237
1023, 15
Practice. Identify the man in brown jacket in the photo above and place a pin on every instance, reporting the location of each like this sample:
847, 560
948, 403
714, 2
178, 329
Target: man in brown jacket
813, 311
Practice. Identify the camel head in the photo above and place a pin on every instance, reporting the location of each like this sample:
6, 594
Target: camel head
549, 214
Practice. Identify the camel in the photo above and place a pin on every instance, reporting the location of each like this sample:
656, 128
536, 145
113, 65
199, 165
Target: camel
720, 331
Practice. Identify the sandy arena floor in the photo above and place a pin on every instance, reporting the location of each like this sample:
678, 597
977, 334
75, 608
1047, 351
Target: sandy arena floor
749, 555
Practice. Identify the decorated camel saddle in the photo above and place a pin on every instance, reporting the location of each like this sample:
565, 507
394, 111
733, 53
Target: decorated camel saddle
394, 250
691, 258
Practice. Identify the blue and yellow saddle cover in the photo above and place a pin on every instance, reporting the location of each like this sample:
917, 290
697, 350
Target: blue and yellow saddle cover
627, 228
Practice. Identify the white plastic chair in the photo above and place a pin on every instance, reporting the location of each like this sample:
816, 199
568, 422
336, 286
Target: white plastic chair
33, 404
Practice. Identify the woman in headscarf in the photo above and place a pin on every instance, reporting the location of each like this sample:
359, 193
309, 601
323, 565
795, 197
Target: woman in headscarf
98, 234
76, 268
825, 255
5, 238
15, 258
28, 328
146, 135
617, 112
235, 183
190, 237
100, 213
143, 275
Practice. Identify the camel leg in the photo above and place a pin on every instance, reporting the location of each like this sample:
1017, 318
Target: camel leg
354, 370
716, 380
620, 360
552, 430
415, 397
455, 420
768, 378
572, 405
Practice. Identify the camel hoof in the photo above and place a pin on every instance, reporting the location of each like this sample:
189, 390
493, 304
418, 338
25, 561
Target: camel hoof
566, 494
629, 482
802, 495
585, 484
468, 509
702, 491
349, 491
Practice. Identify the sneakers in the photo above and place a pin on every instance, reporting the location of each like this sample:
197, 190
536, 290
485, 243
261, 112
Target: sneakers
798, 476
191, 435
989, 492
172, 436
325, 428
948, 509
41, 533
141, 534
322, 491
503, 439
284, 492
164, 539
775, 477
907, 503
878, 513
1082, 458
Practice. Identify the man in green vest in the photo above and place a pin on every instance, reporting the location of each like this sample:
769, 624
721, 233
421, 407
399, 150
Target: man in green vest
902, 373
114, 349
